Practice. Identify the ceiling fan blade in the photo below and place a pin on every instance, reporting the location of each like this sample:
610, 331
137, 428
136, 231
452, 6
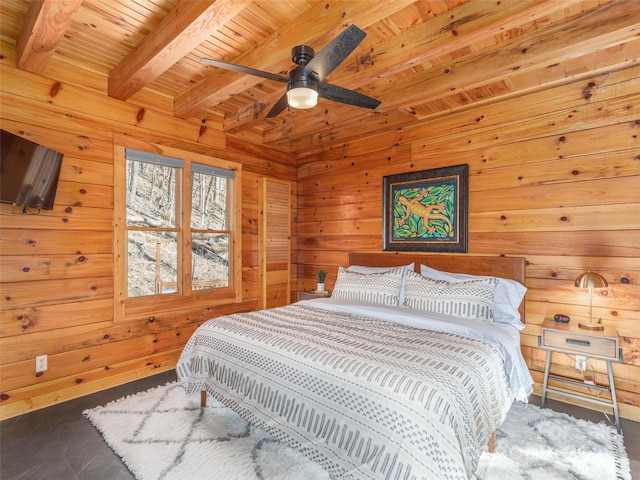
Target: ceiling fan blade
343, 95
279, 106
247, 70
327, 59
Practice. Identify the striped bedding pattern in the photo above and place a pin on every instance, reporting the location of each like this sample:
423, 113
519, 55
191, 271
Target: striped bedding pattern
364, 398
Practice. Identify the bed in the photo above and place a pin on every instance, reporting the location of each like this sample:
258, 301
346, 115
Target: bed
405, 372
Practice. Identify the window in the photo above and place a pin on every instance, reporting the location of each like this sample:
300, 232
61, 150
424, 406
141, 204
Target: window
153, 223
209, 232
179, 220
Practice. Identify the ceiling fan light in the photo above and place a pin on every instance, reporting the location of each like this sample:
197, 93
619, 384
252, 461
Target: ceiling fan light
302, 97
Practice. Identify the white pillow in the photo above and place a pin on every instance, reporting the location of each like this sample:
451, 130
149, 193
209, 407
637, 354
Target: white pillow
472, 299
383, 288
507, 299
369, 270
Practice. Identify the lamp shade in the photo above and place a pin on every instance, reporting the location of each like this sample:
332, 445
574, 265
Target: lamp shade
302, 97
591, 279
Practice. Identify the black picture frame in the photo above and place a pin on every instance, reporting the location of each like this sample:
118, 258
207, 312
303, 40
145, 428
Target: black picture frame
426, 211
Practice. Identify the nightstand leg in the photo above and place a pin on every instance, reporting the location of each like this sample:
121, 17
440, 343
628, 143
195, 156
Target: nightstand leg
612, 389
546, 378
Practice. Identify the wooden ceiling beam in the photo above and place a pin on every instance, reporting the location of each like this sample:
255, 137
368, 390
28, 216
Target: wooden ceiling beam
44, 27
594, 30
318, 26
469, 24
537, 49
182, 30
356, 127
466, 26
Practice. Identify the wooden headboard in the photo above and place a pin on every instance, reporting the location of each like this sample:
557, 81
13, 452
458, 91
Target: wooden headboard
505, 267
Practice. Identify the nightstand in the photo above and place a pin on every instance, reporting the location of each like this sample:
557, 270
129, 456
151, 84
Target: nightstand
569, 339
311, 295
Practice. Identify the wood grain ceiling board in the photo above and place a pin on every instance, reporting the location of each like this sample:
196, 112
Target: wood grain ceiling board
12, 16
422, 58
232, 40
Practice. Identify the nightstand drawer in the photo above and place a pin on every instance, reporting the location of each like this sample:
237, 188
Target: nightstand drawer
570, 342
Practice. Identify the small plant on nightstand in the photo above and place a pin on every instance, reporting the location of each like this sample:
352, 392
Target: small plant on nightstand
321, 275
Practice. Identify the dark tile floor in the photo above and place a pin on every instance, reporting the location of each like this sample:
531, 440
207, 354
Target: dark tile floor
59, 443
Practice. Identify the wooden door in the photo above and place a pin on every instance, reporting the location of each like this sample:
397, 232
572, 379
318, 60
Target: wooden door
274, 238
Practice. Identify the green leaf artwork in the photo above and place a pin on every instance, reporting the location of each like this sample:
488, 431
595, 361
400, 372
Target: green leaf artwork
424, 212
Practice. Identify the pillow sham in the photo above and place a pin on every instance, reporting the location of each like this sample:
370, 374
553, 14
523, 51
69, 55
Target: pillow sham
382, 288
368, 270
472, 299
507, 298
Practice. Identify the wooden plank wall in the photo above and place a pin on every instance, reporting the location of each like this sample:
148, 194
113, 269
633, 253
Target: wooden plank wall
57, 267
554, 177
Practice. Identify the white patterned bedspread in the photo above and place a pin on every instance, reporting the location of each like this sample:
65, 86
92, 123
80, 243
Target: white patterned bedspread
366, 398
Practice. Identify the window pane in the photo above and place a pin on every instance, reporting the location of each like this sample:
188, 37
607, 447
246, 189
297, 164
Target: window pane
210, 260
151, 195
153, 263
208, 202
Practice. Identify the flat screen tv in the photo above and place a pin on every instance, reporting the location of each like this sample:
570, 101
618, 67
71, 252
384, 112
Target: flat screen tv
29, 172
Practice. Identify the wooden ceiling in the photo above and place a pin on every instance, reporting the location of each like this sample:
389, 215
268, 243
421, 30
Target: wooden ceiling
421, 58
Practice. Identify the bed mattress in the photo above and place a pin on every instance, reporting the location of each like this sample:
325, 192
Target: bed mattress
367, 392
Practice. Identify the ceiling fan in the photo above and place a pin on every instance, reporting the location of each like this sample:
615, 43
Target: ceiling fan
305, 82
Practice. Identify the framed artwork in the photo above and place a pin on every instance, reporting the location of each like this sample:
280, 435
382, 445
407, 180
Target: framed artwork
426, 211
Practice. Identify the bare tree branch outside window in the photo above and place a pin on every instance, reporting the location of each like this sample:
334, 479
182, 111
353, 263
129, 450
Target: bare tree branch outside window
153, 227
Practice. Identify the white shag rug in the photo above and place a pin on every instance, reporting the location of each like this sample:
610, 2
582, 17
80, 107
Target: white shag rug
163, 433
